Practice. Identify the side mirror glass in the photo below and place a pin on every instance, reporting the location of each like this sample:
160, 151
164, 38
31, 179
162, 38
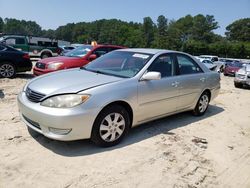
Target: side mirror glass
151, 76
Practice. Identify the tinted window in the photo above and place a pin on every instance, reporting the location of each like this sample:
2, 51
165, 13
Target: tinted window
187, 65
163, 64
20, 41
100, 51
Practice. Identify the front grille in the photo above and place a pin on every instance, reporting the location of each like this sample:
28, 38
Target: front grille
34, 96
33, 123
40, 65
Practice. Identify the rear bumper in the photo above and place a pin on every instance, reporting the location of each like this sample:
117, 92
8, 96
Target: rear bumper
77, 120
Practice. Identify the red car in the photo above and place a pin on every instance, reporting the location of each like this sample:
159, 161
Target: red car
75, 58
232, 67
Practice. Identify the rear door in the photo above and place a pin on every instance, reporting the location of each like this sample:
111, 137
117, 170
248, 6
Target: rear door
190, 80
158, 97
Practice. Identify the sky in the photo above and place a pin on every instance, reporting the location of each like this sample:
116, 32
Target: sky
50, 14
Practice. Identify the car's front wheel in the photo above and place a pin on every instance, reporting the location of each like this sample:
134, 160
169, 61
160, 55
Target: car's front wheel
202, 104
110, 126
238, 85
7, 70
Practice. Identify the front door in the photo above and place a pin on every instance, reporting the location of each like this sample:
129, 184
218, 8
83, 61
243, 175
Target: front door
158, 97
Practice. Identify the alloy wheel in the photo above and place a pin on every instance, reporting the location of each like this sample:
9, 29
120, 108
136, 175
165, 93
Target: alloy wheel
203, 103
112, 127
7, 70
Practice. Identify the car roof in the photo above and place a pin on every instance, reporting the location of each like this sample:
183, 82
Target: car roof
106, 45
146, 50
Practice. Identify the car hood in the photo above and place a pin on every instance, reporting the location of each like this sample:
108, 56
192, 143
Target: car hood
69, 81
63, 59
229, 68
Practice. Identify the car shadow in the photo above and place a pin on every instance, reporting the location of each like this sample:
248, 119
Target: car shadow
27, 76
1, 94
137, 134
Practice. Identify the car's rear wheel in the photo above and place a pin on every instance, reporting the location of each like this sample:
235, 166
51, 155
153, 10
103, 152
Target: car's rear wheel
238, 85
202, 104
45, 55
110, 126
7, 70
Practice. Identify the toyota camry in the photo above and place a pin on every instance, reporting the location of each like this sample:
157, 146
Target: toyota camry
116, 92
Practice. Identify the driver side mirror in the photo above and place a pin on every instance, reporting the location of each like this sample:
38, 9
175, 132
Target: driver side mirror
92, 57
151, 76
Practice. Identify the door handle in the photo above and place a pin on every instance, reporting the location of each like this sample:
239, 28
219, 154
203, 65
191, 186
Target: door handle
202, 79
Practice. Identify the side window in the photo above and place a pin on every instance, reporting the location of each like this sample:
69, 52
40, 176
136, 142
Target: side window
100, 51
163, 64
20, 41
187, 65
11, 41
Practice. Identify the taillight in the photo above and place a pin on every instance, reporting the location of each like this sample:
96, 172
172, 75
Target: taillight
26, 56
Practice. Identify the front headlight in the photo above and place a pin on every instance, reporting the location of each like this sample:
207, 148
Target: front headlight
65, 101
54, 66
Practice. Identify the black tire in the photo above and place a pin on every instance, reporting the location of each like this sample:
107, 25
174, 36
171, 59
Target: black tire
238, 85
45, 55
111, 111
199, 108
7, 70
225, 74
221, 69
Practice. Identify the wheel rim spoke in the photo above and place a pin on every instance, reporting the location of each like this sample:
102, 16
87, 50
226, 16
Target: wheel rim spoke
104, 128
106, 135
112, 136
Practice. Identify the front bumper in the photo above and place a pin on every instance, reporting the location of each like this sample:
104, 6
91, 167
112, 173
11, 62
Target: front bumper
39, 118
38, 72
245, 80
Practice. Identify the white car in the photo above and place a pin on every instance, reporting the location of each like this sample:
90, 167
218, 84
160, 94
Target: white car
242, 76
215, 59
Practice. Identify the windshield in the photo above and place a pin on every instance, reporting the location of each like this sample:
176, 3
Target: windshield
119, 63
235, 64
80, 51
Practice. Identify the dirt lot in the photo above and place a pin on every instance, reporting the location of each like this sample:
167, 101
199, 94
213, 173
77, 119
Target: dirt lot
164, 153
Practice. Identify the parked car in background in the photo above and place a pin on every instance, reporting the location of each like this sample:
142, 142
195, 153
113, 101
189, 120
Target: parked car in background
115, 92
75, 58
242, 76
13, 61
36, 47
215, 59
209, 64
232, 67
66, 49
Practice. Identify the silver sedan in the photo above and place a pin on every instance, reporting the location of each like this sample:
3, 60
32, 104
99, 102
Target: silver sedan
119, 90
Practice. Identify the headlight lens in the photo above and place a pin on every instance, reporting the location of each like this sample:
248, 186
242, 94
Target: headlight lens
65, 101
55, 66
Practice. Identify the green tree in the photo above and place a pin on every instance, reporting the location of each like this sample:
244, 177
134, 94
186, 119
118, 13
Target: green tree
161, 36
239, 30
148, 31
